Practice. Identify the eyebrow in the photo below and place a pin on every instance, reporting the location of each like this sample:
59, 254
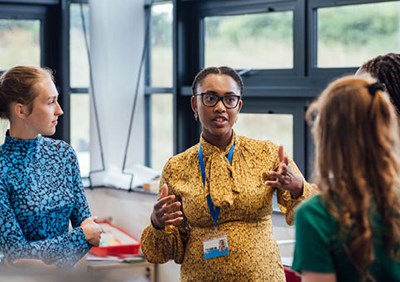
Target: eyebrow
215, 93
52, 97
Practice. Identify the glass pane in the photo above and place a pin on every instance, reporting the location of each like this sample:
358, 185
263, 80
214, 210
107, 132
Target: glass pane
19, 43
79, 64
350, 35
277, 128
4, 125
263, 41
161, 130
161, 45
80, 130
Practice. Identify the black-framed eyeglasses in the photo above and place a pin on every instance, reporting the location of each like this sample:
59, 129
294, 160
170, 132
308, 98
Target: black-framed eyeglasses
211, 99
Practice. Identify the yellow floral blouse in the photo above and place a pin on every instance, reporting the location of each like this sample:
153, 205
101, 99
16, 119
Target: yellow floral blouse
245, 203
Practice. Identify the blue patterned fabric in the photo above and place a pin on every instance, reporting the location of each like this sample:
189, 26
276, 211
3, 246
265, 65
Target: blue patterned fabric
40, 191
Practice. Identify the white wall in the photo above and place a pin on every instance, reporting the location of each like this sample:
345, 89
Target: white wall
116, 42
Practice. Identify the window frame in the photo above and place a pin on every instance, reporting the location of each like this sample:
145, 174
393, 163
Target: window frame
286, 91
150, 90
312, 36
25, 12
211, 9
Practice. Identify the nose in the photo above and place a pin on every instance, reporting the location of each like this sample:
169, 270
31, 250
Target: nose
220, 107
59, 111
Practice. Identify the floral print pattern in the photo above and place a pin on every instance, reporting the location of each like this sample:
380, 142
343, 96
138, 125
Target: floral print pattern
246, 208
40, 193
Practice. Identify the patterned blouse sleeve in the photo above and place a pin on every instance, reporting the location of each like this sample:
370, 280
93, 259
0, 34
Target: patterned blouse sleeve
81, 210
63, 251
160, 246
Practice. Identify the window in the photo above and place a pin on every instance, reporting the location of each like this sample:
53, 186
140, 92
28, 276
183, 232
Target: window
347, 36
269, 36
80, 130
19, 43
79, 86
79, 63
161, 133
277, 128
161, 45
159, 83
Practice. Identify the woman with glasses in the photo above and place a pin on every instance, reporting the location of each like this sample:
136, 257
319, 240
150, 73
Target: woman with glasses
220, 190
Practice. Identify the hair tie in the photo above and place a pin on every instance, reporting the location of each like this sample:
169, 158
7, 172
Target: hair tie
373, 88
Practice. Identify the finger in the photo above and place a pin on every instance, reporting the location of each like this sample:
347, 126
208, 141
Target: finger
175, 221
273, 183
172, 216
281, 155
175, 206
168, 209
164, 201
273, 175
164, 191
283, 168
166, 219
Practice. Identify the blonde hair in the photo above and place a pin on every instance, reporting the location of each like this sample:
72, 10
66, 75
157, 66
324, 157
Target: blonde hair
357, 166
17, 86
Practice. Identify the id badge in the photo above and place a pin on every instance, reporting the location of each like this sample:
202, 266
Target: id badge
216, 247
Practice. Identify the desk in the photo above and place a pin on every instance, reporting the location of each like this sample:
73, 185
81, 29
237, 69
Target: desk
121, 271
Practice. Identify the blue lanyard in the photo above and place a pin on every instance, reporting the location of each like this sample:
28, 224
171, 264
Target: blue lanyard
213, 211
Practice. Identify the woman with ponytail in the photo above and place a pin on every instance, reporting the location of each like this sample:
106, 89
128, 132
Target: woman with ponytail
351, 231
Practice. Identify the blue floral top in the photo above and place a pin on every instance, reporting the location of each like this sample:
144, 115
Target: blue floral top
40, 192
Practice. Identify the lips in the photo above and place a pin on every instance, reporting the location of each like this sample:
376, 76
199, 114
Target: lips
220, 120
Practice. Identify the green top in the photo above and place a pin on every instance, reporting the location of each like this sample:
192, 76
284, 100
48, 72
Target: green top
319, 250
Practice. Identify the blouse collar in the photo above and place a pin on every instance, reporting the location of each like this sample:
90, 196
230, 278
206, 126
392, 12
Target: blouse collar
11, 143
208, 148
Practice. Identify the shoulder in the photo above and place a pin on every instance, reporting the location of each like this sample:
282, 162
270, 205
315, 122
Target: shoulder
59, 147
183, 159
313, 211
311, 205
251, 143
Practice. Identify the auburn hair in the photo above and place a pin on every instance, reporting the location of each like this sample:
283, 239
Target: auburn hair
357, 168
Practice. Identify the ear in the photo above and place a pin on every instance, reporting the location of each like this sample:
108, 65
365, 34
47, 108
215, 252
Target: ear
239, 107
20, 111
193, 102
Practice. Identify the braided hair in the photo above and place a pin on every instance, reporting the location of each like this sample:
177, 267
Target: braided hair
386, 68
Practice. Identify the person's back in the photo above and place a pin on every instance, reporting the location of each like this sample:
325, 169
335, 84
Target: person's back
327, 253
351, 232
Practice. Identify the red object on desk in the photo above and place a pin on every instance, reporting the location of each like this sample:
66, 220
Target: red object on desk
115, 242
291, 275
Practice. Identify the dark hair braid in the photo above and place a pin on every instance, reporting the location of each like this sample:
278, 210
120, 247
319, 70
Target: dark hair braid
386, 68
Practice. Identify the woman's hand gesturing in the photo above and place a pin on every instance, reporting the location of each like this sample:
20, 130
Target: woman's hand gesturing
167, 210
